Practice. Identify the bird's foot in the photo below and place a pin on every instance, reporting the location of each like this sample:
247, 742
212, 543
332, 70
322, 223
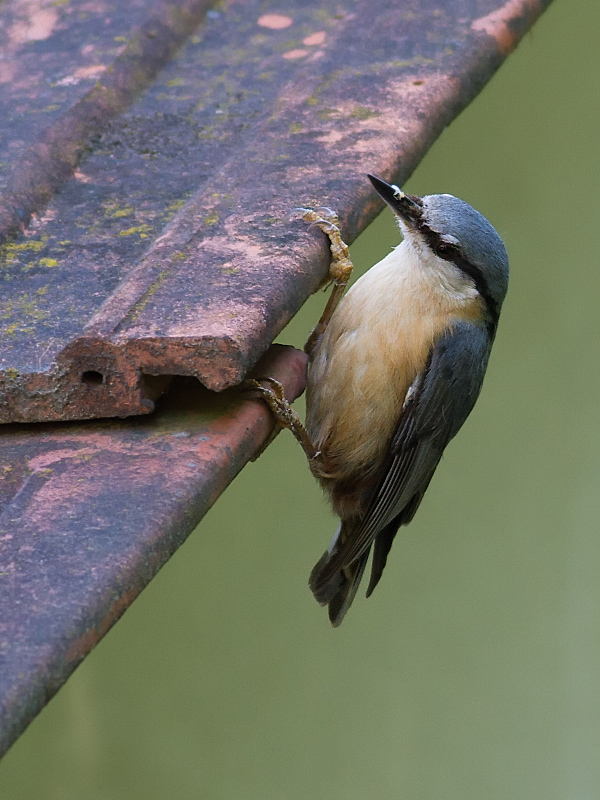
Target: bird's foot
340, 268
286, 417
326, 219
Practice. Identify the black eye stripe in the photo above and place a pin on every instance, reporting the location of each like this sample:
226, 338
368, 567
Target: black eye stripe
452, 253
446, 251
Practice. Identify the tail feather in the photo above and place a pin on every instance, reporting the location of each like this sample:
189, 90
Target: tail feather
383, 543
337, 589
324, 592
342, 600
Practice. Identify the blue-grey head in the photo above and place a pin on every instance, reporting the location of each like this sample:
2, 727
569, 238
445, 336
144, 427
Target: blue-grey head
454, 231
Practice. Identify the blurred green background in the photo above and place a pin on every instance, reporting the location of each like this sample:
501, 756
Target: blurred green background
474, 670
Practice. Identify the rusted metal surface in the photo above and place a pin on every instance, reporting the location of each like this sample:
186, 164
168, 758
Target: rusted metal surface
90, 512
169, 250
48, 157
156, 241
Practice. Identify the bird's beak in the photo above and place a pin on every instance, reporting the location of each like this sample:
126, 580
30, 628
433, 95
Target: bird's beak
407, 206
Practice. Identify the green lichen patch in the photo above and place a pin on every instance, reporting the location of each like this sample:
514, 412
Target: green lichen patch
21, 311
174, 98
212, 218
141, 230
172, 210
117, 213
176, 205
10, 252
362, 112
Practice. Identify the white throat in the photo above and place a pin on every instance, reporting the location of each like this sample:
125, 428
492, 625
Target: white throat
443, 277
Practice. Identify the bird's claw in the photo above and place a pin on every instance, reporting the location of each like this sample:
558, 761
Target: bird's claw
324, 225
322, 217
274, 397
274, 393
326, 219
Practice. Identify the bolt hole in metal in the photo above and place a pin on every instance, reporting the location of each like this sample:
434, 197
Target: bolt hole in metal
92, 378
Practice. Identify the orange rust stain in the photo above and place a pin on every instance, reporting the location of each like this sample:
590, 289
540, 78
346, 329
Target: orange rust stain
497, 23
44, 460
41, 24
7, 71
299, 53
83, 73
315, 38
275, 22
35, 24
331, 137
93, 71
95, 443
82, 646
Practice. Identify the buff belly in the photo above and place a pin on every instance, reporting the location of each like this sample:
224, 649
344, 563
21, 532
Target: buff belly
377, 342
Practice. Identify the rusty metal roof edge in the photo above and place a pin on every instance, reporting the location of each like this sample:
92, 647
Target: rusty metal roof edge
51, 160
227, 441
114, 334
44, 674
109, 379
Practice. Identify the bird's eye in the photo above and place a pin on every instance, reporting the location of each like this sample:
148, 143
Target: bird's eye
444, 250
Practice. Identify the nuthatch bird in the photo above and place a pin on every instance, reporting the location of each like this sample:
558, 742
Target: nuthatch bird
395, 368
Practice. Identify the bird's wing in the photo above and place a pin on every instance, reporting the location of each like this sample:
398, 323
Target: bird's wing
436, 405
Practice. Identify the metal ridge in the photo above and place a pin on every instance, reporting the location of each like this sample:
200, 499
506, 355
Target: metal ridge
157, 259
